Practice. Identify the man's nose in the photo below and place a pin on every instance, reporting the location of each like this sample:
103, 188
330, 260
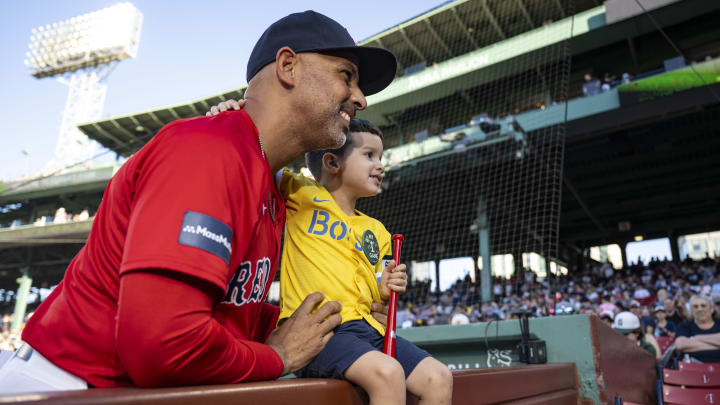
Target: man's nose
358, 98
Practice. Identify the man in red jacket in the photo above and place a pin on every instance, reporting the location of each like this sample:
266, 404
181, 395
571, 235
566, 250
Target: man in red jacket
170, 288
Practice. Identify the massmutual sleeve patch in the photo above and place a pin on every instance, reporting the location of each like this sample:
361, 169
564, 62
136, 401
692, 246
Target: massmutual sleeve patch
206, 233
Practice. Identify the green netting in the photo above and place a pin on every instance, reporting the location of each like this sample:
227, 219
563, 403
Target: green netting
465, 164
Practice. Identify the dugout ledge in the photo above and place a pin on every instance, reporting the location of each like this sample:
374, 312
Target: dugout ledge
541, 384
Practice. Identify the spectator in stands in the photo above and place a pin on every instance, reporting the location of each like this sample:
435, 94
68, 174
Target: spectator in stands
663, 327
84, 215
591, 86
700, 338
641, 293
459, 317
607, 82
670, 311
61, 216
692, 277
608, 271
628, 324
607, 305
635, 308
715, 296
405, 318
5, 323
497, 290
607, 317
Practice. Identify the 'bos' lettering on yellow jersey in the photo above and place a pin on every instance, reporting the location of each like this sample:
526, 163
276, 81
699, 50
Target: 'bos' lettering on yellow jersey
326, 250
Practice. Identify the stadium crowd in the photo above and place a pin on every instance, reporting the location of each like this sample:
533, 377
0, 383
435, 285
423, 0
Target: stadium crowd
598, 289
8, 340
658, 293
61, 216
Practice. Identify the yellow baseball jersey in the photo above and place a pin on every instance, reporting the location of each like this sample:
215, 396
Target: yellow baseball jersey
326, 250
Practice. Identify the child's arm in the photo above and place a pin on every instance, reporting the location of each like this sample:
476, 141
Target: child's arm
392, 278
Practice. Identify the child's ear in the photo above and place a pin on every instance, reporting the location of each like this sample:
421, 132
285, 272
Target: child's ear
331, 163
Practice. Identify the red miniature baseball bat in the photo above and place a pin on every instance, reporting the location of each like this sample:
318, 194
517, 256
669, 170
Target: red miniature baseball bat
389, 342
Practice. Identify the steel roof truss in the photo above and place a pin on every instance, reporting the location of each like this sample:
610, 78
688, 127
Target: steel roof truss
438, 39
491, 17
525, 14
412, 46
464, 28
106, 134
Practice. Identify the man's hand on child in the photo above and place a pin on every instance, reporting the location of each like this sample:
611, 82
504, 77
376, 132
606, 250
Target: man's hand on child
379, 312
225, 106
392, 278
301, 337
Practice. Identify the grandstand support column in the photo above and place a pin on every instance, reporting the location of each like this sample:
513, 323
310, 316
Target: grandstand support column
483, 228
633, 51
437, 284
674, 247
24, 284
33, 214
519, 271
623, 252
581, 259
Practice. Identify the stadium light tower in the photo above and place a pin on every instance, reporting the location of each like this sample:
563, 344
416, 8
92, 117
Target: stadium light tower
81, 52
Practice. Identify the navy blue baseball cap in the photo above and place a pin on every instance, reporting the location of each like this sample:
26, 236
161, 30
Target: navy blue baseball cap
311, 31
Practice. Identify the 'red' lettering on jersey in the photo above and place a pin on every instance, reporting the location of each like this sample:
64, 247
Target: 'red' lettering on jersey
199, 199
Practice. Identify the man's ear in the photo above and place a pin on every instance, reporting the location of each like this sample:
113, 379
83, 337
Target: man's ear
331, 163
286, 60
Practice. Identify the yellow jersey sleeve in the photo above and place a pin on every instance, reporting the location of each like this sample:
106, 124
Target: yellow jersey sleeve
291, 182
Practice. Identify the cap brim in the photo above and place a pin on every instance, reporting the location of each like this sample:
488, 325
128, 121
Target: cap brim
377, 67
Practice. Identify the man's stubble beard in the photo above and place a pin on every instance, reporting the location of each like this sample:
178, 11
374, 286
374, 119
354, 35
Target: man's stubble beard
323, 129
330, 134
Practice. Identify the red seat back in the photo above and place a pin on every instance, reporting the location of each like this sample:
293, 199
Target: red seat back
647, 301
709, 367
664, 342
691, 378
690, 396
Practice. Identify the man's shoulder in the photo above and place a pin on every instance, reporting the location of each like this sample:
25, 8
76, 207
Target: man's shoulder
217, 131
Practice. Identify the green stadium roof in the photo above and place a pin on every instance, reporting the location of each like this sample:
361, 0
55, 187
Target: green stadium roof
464, 65
458, 27
50, 234
439, 35
69, 183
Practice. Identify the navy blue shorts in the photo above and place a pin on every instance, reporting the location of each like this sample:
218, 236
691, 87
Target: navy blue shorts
350, 341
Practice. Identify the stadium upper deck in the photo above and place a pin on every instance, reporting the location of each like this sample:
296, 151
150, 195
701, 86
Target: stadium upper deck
443, 66
619, 149
431, 76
